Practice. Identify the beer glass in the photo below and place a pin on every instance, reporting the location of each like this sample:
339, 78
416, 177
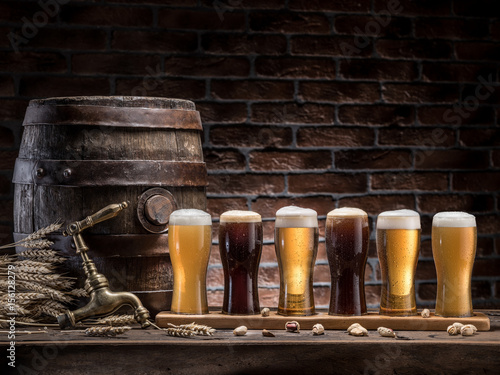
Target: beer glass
454, 248
240, 246
296, 244
347, 237
398, 242
189, 242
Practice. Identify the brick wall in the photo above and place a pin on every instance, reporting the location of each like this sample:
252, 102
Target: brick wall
368, 103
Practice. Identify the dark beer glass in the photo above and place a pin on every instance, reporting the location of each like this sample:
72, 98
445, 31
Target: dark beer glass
240, 245
347, 237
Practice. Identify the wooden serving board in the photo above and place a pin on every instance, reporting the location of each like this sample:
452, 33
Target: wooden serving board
370, 321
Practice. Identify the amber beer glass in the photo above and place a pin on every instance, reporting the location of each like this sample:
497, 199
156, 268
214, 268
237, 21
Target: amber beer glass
296, 243
398, 243
347, 237
240, 246
189, 242
454, 249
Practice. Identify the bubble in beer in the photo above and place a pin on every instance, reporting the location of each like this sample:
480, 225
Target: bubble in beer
453, 219
190, 216
398, 219
238, 216
296, 217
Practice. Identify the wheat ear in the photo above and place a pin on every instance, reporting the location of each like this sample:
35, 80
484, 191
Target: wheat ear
106, 331
117, 320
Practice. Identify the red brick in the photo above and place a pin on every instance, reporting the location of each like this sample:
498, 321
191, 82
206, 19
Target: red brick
293, 113
214, 256
325, 5
454, 115
481, 289
426, 270
421, 93
289, 160
322, 273
427, 291
6, 86
222, 112
370, 159
207, 66
495, 30
425, 248
5, 185
440, 202
6, 137
474, 9
215, 277
479, 137
327, 183
200, 20
476, 181
223, 159
372, 294
46, 86
479, 51
488, 224
161, 85
410, 7
251, 136
289, 22
249, 184
5, 42
291, 67
216, 206
378, 70
375, 204
373, 26
12, 109
268, 229
474, 94
425, 137
340, 92
268, 297
215, 298
442, 28
268, 252
7, 206
113, 63
154, 41
5, 236
14, 11
269, 276
105, 15
376, 114
496, 158
229, 5
267, 207
426, 181
485, 247
75, 39
243, 44
252, 90
452, 159
321, 296
414, 49
32, 62
444, 72
486, 267
334, 136
331, 46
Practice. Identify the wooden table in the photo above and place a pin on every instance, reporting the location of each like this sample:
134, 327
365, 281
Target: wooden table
152, 352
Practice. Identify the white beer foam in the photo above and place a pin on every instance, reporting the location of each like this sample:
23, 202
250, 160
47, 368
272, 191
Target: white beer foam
346, 211
398, 219
453, 219
237, 216
296, 217
190, 216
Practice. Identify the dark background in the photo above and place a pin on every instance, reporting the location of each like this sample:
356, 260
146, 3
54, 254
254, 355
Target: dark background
374, 104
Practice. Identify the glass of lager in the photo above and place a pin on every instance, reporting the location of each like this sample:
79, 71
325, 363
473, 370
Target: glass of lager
347, 238
189, 242
454, 249
240, 246
296, 243
398, 243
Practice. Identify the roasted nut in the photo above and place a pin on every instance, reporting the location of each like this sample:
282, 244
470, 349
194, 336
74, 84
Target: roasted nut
318, 329
292, 326
265, 311
266, 333
426, 313
386, 332
352, 326
358, 331
468, 330
453, 330
240, 331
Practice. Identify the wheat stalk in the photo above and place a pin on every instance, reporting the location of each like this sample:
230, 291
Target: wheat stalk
197, 329
47, 256
51, 292
25, 296
50, 308
79, 293
36, 244
106, 331
38, 278
39, 234
117, 320
179, 332
31, 269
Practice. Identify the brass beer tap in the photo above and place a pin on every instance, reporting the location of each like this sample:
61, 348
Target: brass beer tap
102, 299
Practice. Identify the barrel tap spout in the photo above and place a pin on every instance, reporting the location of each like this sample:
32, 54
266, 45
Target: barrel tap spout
103, 301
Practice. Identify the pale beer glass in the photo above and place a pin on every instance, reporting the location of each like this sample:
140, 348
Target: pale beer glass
240, 246
296, 243
454, 237
347, 237
398, 243
189, 242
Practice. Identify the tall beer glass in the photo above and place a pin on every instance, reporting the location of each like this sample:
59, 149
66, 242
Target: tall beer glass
454, 248
347, 237
398, 243
296, 243
189, 242
240, 246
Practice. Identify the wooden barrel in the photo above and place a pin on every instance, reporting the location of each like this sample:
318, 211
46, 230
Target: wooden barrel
79, 154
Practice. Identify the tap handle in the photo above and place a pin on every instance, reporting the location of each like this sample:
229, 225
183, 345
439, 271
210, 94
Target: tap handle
106, 213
